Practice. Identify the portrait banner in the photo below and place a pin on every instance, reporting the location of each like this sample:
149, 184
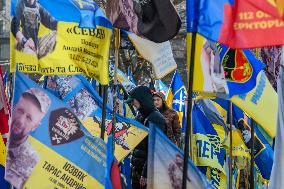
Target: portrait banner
86, 103
46, 38
165, 165
48, 146
222, 71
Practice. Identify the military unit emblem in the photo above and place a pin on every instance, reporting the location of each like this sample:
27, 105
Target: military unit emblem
64, 127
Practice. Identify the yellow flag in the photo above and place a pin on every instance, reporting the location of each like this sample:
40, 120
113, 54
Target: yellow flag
260, 104
131, 138
56, 43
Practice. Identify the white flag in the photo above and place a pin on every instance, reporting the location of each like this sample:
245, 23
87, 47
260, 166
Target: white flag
160, 55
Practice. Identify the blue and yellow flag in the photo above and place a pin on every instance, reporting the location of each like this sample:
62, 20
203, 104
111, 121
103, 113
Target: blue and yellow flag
2, 152
222, 71
47, 37
262, 149
207, 148
176, 98
233, 22
57, 150
263, 153
260, 104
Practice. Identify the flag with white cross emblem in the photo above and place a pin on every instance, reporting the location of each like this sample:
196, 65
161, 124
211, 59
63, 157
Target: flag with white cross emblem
176, 98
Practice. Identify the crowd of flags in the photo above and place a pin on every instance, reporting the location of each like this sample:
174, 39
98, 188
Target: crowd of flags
226, 73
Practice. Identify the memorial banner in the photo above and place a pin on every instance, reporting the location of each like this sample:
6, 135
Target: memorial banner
221, 71
86, 103
46, 38
165, 163
48, 146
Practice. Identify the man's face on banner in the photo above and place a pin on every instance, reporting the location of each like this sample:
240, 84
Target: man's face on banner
31, 2
26, 117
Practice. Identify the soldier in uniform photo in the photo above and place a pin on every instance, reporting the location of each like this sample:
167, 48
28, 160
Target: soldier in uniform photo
26, 117
25, 28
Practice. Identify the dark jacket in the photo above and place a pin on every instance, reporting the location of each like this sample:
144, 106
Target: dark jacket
147, 113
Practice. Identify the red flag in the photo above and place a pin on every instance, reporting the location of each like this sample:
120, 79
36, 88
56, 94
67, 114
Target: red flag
4, 110
236, 23
115, 176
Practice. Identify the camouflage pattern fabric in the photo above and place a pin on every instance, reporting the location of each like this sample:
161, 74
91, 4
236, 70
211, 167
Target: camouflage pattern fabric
19, 164
46, 44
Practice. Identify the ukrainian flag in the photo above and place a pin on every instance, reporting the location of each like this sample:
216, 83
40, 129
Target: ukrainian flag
176, 97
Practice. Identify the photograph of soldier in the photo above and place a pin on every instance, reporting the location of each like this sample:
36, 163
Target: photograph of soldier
175, 172
25, 28
26, 117
213, 71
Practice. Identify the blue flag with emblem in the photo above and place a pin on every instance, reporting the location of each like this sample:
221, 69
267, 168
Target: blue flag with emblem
176, 97
222, 71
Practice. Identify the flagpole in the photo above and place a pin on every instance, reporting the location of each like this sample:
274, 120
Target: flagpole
188, 132
231, 147
104, 90
252, 156
116, 54
247, 171
100, 90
